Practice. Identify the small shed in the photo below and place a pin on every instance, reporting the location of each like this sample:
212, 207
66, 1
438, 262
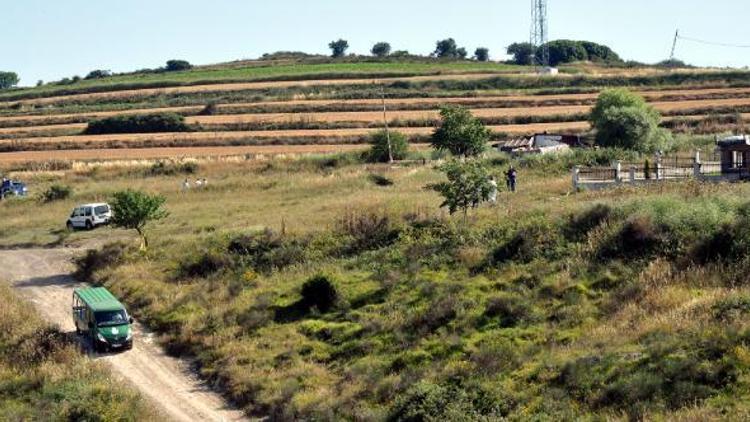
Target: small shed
541, 143
735, 154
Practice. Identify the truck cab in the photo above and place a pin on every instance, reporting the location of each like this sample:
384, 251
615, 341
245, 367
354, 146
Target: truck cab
99, 316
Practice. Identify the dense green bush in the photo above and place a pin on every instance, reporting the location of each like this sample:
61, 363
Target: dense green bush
57, 193
379, 151
320, 292
623, 119
146, 123
427, 401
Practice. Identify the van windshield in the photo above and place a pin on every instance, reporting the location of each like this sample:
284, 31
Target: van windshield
106, 318
101, 209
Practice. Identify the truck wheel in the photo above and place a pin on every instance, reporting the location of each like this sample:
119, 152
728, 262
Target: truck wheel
89, 226
70, 227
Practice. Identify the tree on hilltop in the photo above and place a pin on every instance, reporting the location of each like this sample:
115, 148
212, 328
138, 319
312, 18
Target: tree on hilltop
447, 48
178, 65
8, 80
381, 49
523, 53
338, 48
482, 54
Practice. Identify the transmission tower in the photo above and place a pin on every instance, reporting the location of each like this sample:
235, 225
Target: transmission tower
540, 32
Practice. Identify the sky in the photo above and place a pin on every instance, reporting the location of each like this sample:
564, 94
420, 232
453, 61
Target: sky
51, 39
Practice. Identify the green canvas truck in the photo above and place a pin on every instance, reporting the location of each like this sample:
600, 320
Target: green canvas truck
103, 319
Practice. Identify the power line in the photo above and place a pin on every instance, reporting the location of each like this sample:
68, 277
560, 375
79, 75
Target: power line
719, 44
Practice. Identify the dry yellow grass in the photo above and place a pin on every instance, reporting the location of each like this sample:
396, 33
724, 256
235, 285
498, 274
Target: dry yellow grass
155, 153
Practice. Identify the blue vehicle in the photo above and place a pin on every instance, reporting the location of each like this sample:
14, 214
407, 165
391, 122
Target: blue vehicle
12, 188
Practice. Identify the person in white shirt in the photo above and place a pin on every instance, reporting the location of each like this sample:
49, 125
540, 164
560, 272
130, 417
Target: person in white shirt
493, 191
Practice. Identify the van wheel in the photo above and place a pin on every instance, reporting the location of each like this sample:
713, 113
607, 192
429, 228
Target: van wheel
70, 227
89, 226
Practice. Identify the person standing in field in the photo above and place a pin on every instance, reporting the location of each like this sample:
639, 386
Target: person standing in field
493, 191
511, 177
186, 185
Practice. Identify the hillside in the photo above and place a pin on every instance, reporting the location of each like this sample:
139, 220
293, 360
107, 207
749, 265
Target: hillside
293, 103
326, 288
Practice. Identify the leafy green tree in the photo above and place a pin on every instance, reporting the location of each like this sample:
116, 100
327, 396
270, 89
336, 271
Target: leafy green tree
8, 80
447, 49
135, 209
467, 187
178, 65
564, 51
599, 52
482, 54
338, 48
624, 120
523, 53
379, 151
460, 133
381, 49
461, 53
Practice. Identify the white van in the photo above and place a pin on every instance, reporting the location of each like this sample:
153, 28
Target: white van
88, 216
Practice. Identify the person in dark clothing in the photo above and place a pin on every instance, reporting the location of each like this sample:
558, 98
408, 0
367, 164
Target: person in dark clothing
510, 178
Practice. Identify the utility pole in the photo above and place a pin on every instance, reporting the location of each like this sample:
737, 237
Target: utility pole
674, 45
385, 122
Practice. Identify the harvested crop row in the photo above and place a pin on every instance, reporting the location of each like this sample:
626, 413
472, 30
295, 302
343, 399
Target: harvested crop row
510, 101
426, 116
220, 138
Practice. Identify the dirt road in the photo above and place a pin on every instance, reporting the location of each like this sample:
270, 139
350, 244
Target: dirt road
42, 277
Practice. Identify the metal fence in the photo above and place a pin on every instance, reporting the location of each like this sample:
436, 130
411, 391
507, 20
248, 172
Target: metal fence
598, 174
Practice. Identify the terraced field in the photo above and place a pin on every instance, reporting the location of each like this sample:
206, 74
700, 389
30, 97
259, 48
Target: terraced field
302, 114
